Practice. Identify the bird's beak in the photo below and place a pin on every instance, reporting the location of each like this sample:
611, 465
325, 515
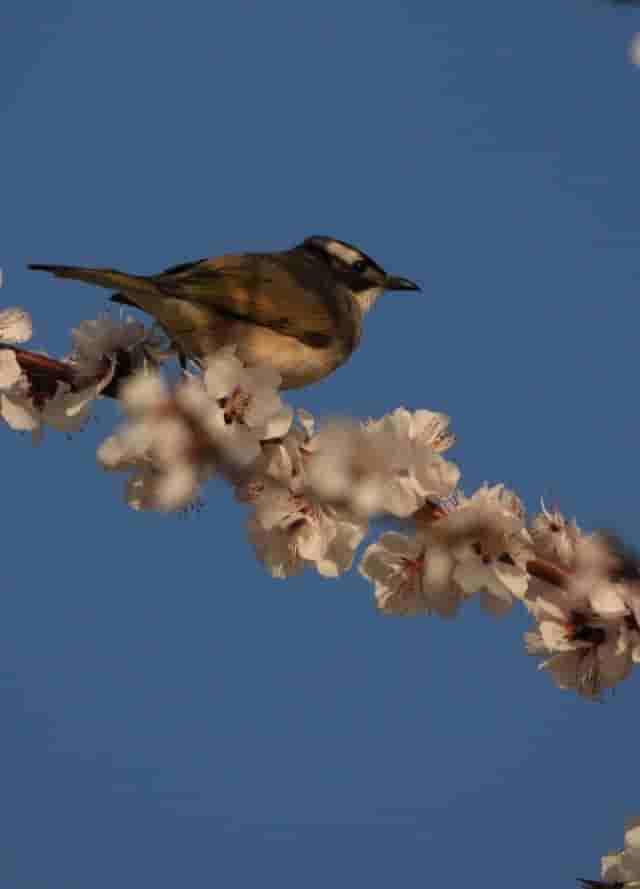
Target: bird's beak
393, 283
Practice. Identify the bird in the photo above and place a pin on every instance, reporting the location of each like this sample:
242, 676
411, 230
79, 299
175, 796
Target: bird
298, 311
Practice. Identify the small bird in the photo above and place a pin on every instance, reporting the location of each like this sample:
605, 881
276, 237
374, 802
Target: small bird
298, 311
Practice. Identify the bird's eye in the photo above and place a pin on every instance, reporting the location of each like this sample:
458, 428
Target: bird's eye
359, 266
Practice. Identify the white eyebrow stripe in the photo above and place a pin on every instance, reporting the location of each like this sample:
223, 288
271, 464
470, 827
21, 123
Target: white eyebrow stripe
342, 252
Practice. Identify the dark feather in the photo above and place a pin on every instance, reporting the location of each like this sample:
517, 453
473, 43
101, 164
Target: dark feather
182, 267
123, 300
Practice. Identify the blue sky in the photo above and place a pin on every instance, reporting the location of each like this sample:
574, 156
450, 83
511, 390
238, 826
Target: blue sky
172, 715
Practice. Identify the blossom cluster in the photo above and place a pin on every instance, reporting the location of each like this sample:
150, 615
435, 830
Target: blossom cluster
312, 491
620, 869
587, 609
582, 591
176, 440
37, 391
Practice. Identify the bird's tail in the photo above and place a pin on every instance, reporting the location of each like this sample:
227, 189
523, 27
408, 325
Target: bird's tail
111, 278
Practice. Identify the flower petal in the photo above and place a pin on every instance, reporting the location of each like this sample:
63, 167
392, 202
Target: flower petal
10, 370
15, 325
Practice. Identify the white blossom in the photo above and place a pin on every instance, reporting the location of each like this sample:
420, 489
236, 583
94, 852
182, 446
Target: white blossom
289, 526
69, 410
283, 461
387, 465
409, 577
431, 429
394, 564
497, 581
589, 653
588, 621
174, 440
66, 410
484, 540
554, 538
466, 546
17, 408
99, 341
147, 488
247, 396
30, 405
289, 530
592, 577
15, 325
142, 393
590, 670
169, 454
10, 370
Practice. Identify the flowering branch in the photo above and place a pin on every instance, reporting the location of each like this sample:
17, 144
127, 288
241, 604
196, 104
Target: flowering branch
312, 492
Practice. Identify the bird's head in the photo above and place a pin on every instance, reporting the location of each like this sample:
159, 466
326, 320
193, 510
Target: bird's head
354, 269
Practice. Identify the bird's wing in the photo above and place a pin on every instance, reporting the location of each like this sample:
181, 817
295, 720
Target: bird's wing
276, 290
183, 267
124, 300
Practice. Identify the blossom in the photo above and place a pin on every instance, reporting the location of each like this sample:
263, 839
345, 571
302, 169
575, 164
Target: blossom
149, 488
554, 538
291, 527
498, 580
587, 620
431, 429
289, 530
163, 444
10, 370
394, 565
286, 459
589, 565
248, 398
26, 405
15, 325
410, 578
175, 440
387, 465
102, 340
413, 441
16, 408
465, 546
592, 668
596, 576
29, 403
283, 460
487, 545
68, 410
589, 653
275, 550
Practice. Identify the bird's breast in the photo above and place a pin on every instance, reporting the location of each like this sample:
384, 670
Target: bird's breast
298, 363
199, 330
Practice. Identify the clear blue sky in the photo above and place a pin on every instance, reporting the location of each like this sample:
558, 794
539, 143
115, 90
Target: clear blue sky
171, 716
